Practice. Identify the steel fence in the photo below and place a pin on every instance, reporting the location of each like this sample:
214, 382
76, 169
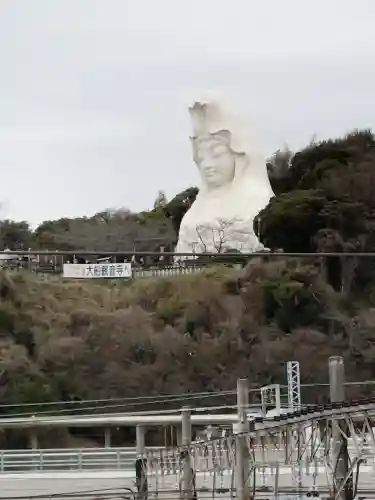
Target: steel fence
59, 460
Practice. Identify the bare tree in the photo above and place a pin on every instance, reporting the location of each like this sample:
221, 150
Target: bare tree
224, 235
279, 163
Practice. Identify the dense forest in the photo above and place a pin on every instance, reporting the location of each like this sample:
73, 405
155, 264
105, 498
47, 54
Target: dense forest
68, 340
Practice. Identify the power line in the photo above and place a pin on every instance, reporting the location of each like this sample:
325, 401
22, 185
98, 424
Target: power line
137, 399
365, 382
145, 412
171, 399
130, 253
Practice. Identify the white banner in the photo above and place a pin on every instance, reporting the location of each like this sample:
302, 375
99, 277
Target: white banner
123, 270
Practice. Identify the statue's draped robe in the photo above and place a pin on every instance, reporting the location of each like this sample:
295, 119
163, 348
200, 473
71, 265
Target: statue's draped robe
218, 221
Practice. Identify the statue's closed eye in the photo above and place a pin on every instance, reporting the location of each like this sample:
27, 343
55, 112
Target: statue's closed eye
219, 149
214, 150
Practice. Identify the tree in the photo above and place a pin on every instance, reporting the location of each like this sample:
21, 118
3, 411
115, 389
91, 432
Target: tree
161, 200
311, 166
220, 237
107, 231
291, 220
15, 235
333, 189
179, 205
327, 201
278, 169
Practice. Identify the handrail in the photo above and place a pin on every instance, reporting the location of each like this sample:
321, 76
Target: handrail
126, 419
76, 460
68, 459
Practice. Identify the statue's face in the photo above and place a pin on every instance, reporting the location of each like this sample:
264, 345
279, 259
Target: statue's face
215, 161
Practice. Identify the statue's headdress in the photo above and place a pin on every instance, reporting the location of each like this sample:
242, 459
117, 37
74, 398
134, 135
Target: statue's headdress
211, 115
206, 118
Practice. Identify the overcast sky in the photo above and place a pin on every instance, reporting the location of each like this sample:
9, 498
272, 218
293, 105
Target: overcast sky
94, 93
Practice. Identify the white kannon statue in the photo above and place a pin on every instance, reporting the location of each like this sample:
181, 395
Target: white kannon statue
235, 185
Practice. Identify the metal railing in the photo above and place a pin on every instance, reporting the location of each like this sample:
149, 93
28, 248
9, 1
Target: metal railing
59, 460
91, 459
160, 270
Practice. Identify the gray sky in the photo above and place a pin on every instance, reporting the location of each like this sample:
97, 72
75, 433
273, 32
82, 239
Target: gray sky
94, 93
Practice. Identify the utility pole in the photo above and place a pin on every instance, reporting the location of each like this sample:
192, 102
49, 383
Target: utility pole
140, 439
340, 456
186, 426
188, 481
242, 463
107, 437
141, 464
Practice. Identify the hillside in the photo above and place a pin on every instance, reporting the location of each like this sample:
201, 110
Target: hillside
83, 340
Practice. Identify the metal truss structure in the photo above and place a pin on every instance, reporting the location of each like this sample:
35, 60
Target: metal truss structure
294, 385
270, 397
294, 453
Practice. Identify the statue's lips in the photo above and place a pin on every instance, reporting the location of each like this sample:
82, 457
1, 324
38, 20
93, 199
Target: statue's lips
210, 171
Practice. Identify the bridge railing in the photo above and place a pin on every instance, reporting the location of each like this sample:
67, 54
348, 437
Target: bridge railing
88, 459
